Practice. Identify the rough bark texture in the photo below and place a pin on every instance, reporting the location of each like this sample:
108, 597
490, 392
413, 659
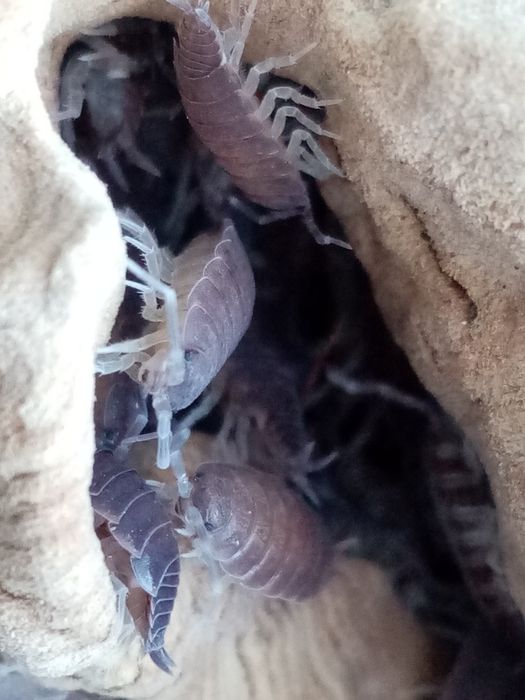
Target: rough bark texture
433, 143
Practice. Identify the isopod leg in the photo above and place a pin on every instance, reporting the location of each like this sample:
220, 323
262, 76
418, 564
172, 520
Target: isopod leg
108, 157
176, 356
196, 528
316, 161
309, 164
323, 238
259, 69
238, 47
73, 81
138, 159
150, 312
283, 113
135, 345
140, 237
106, 364
289, 93
164, 414
168, 445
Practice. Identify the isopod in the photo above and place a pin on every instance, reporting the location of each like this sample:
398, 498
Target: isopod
99, 81
136, 517
210, 289
258, 531
461, 494
228, 118
263, 418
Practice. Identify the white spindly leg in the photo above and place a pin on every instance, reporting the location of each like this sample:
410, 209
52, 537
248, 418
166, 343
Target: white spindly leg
164, 414
259, 69
289, 93
136, 345
236, 53
72, 91
183, 483
107, 364
140, 237
317, 160
283, 113
229, 38
323, 238
175, 358
150, 311
308, 163
177, 464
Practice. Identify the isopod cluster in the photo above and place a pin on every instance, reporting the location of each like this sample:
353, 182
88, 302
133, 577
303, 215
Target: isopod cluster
195, 308
237, 322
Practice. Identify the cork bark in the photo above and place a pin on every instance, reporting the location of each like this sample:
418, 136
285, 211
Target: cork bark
432, 144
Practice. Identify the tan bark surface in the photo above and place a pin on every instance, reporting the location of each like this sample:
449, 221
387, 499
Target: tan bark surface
433, 142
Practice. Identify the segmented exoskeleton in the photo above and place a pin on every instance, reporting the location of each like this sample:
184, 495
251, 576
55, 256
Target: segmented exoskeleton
263, 418
136, 517
228, 118
258, 530
464, 504
210, 290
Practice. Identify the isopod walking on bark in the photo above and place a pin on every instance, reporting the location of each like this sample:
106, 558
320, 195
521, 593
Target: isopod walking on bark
136, 518
210, 290
258, 531
228, 118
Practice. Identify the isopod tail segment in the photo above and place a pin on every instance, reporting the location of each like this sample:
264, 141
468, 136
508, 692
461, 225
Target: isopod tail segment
226, 115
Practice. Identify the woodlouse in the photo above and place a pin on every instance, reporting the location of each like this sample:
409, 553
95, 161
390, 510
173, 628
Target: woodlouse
263, 417
98, 80
258, 530
461, 494
136, 518
211, 286
228, 118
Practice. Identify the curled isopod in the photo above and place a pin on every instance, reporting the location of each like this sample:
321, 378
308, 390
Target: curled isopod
136, 518
259, 531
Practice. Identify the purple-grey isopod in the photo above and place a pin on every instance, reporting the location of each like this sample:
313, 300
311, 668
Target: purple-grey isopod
263, 417
136, 517
228, 118
259, 531
219, 310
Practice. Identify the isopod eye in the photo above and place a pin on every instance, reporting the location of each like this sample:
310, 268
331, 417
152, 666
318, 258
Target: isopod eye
210, 527
189, 355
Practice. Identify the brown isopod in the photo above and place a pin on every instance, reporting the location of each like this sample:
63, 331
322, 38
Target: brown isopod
258, 530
